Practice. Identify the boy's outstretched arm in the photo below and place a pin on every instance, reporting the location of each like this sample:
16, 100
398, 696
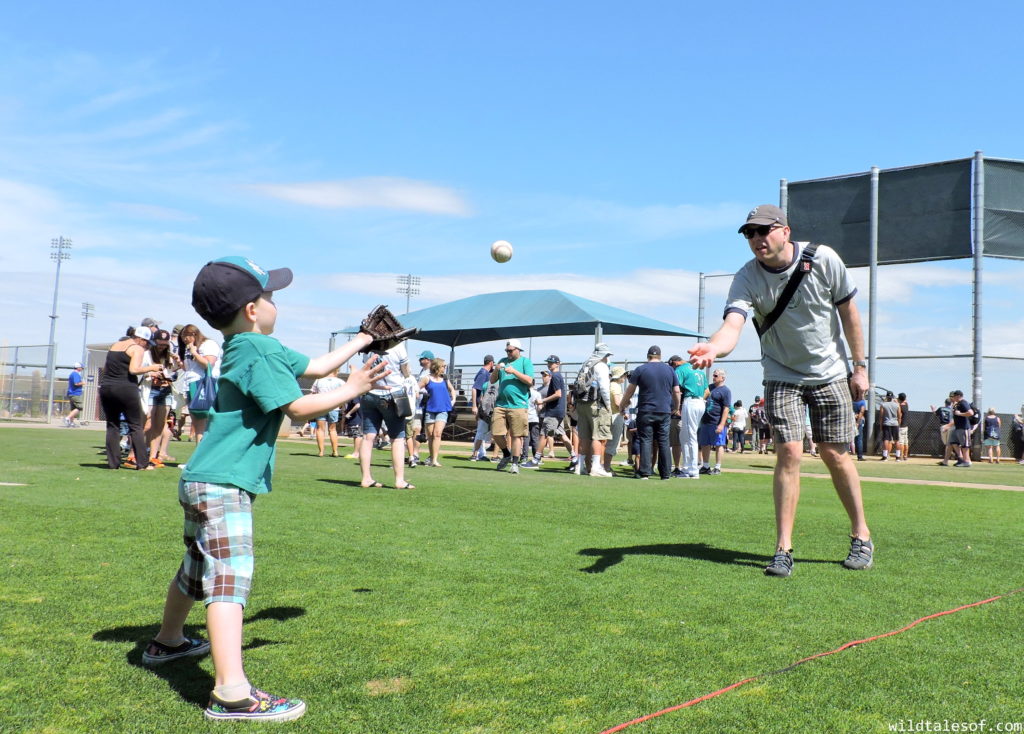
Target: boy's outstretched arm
359, 382
721, 343
328, 364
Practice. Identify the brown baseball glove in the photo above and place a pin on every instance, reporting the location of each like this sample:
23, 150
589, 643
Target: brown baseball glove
385, 328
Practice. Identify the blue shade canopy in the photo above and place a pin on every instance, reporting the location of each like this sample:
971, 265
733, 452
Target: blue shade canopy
524, 314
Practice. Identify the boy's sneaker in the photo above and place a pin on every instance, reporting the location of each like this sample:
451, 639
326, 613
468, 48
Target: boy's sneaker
515, 468
861, 554
962, 464
259, 706
599, 471
531, 464
704, 470
503, 462
715, 470
157, 652
781, 565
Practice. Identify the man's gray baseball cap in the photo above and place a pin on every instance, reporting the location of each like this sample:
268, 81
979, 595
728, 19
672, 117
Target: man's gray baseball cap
765, 214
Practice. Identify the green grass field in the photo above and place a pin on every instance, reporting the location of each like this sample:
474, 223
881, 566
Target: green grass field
484, 602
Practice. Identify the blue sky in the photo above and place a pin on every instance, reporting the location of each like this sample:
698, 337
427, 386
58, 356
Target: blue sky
617, 147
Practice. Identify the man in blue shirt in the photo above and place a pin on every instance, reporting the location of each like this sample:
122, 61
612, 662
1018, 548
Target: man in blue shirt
658, 400
74, 395
553, 398
712, 425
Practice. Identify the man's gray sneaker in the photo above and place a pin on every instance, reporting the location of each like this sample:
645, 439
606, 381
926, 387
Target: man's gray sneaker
781, 565
503, 462
861, 555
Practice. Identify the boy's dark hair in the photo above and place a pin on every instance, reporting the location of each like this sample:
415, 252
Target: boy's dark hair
225, 285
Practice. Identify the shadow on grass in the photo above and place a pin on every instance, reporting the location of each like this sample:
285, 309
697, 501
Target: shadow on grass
185, 676
608, 557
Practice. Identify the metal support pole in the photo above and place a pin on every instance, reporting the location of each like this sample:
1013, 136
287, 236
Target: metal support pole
700, 304
979, 259
598, 334
872, 303
14, 379
784, 195
87, 311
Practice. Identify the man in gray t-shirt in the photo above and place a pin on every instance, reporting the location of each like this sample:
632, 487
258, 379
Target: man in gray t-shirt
805, 366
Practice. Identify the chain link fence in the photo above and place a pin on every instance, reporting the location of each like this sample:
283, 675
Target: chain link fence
23, 386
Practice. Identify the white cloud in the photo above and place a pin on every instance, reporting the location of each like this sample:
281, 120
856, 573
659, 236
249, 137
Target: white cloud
152, 211
380, 192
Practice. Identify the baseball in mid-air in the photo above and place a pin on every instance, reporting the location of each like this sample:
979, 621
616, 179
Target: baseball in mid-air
501, 251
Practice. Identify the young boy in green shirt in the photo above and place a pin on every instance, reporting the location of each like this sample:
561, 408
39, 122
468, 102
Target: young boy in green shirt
233, 464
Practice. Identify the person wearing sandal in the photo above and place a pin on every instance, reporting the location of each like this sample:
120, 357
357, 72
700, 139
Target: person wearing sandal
440, 399
379, 408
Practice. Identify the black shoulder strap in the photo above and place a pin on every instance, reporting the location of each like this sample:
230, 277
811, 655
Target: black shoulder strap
802, 269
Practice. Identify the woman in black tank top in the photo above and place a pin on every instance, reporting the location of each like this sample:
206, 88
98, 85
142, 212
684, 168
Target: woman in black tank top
119, 394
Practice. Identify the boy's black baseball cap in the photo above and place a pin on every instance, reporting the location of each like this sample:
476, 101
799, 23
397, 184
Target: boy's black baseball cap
226, 284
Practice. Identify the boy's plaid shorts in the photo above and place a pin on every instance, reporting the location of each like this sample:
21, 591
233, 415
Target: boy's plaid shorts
830, 407
218, 561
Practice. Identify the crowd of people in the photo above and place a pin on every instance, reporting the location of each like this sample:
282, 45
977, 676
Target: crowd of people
147, 389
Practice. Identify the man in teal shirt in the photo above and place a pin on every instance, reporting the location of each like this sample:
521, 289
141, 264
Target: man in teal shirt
694, 385
514, 375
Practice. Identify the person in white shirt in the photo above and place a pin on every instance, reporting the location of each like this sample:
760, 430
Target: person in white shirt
199, 355
328, 423
380, 407
739, 427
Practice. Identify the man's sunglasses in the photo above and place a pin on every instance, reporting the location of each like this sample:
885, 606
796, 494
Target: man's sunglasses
761, 231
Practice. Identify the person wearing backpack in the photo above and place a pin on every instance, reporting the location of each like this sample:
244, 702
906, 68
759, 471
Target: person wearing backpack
591, 391
801, 299
944, 414
963, 421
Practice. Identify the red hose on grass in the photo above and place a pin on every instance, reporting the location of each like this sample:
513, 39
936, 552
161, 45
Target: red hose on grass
719, 692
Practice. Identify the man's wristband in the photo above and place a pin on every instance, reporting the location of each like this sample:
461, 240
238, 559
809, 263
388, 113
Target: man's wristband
860, 363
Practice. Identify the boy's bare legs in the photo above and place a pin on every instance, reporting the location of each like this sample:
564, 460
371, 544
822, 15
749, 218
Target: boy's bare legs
176, 609
224, 624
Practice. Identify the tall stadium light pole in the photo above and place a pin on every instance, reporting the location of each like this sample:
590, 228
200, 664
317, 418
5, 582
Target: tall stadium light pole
409, 286
701, 297
60, 247
88, 311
